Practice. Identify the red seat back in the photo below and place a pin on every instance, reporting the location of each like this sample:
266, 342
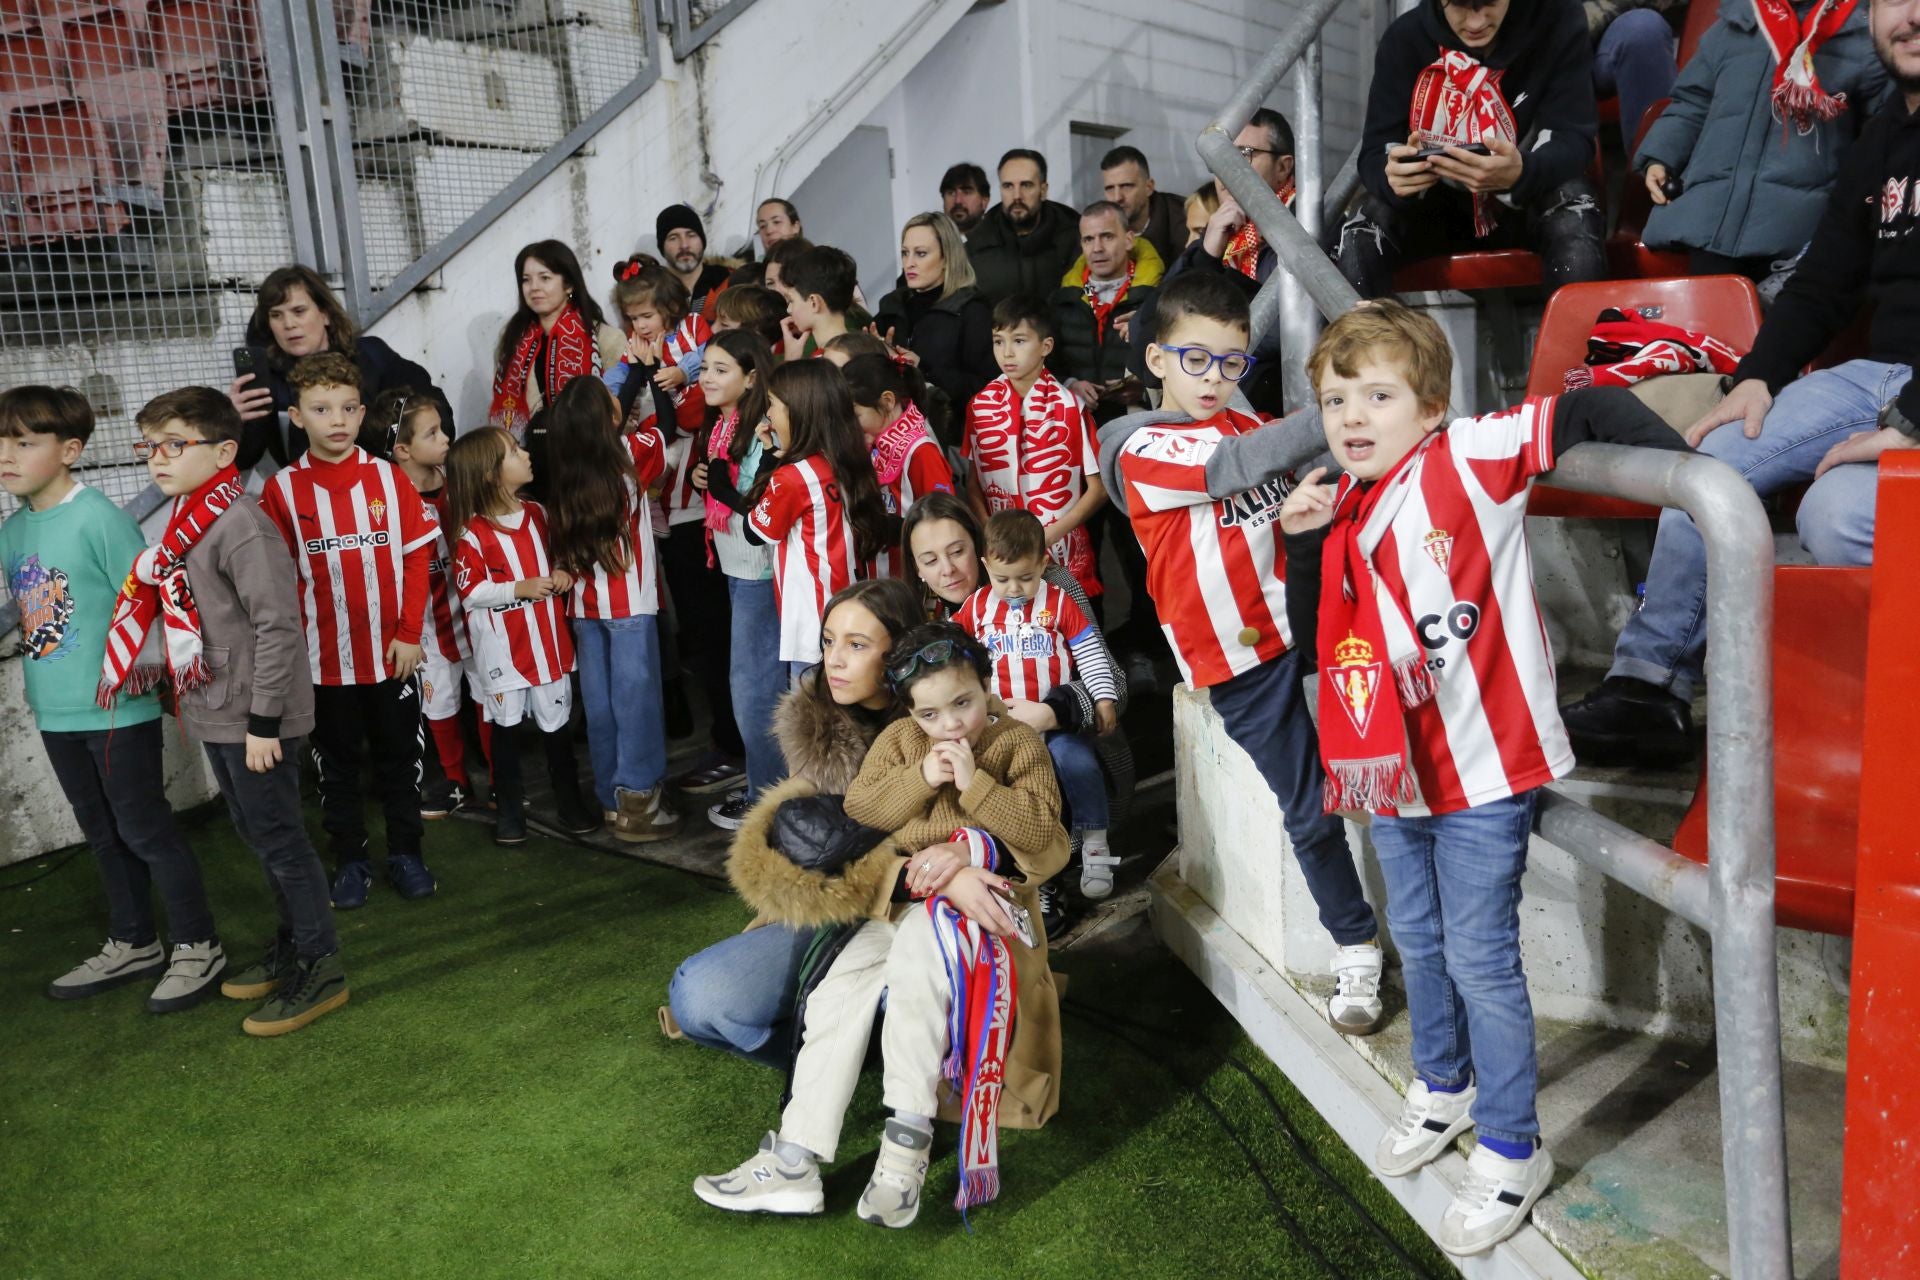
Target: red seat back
1701, 14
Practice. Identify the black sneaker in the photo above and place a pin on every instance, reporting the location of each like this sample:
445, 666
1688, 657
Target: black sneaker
711, 776
440, 798
1627, 721
577, 817
1054, 914
731, 814
510, 827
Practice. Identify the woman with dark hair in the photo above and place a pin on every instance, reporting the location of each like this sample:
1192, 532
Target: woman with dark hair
558, 334
739, 993
296, 314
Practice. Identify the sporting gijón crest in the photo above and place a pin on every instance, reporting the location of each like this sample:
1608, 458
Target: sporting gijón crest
1438, 544
1356, 678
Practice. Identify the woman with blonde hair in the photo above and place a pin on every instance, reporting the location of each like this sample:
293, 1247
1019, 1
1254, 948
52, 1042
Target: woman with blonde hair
939, 320
1201, 206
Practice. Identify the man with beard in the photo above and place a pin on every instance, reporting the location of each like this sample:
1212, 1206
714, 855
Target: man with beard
1025, 243
963, 195
1829, 427
1160, 217
682, 238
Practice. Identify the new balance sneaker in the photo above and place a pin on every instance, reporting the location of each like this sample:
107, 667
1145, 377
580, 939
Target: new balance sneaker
765, 1184
892, 1197
193, 972
117, 964
408, 874
645, 816
440, 798
731, 814
1429, 1122
264, 976
351, 884
1494, 1201
1355, 1008
315, 988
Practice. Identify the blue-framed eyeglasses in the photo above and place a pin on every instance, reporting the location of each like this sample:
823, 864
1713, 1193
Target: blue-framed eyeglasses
1196, 361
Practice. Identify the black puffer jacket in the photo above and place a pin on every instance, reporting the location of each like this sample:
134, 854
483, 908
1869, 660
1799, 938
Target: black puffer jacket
381, 368
1006, 263
953, 336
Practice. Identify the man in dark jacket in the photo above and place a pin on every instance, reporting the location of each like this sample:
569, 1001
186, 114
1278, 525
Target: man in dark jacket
682, 238
1159, 216
1026, 242
1513, 78
1829, 427
1092, 309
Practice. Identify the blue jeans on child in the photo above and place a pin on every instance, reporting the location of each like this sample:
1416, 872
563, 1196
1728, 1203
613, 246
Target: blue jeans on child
619, 661
1076, 766
1665, 642
758, 678
1453, 902
1265, 711
738, 994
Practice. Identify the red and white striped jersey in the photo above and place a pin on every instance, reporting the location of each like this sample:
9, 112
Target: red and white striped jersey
1028, 641
443, 630
1454, 551
925, 471
800, 514
622, 595
362, 540
1034, 453
517, 644
683, 502
1214, 566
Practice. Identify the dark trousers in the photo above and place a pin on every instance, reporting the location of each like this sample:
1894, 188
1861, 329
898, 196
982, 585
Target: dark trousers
704, 617
1565, 227
1705, 262
1265, 711
265, 808
116, 783
355, 722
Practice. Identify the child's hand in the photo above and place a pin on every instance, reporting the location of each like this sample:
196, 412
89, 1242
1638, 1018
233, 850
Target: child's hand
1309, 506
404, 659
637, 348
960, 756
971, 891
670, 378
1056, 535
763, 432
533, 588
794, 338
1656, 182
930, 870
1105, 718
699, 476
562, 581
936, 768
262, 754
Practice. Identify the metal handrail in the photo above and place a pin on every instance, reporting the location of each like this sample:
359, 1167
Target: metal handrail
1732, 896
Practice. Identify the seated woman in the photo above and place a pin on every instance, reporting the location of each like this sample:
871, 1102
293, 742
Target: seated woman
739, 993
966, 817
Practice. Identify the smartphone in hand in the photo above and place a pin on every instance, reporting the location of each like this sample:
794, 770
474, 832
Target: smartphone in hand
1471, 148
1018, 916
245, 363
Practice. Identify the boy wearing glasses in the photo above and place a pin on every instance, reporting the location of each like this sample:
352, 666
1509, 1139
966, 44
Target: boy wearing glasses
1203, 485
242, 685
64, 554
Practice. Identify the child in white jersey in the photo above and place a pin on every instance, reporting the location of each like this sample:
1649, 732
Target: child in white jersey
1412, 581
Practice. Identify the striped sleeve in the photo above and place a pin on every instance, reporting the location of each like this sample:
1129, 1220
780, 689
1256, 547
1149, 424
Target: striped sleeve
1091, 665
1165, 471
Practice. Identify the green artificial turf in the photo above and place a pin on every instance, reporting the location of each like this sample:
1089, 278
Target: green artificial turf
497, 1100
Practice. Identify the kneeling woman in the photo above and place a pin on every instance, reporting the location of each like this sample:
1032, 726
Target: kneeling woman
966, 815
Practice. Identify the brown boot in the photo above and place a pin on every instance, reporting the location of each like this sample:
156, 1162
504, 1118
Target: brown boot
645, 816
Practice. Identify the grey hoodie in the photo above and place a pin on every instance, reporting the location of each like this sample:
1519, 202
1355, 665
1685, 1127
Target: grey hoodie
1293, 443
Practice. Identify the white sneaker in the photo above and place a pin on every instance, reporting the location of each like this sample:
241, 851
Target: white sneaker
892, 1197
1097, 867
1355, 1008
1428, 1124
117, 964
1494, 1201
193, 974
765, 1184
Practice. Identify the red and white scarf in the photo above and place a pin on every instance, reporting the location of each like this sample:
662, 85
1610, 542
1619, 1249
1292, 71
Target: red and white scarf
1457, 100
1626, 346
1242, 253
1798, 100
157, 584
1046, 478
981, 977
567, 352
1372, 664
1103, 311
896, 441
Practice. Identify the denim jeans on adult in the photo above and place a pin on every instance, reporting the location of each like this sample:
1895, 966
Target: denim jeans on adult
759, 678
116, 784
265, 808
1665, 642
1265, 711
1635, 60
619, 662
1453, 902
738, 994
1076, 766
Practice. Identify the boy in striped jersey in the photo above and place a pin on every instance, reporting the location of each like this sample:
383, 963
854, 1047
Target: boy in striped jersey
1412, 582
1202, 484
362, 542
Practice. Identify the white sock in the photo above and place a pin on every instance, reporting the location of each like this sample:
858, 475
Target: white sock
1094, 842
793, 1152
923, 1123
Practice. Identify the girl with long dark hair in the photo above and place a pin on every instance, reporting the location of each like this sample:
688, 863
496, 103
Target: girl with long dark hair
907, 461
557, 334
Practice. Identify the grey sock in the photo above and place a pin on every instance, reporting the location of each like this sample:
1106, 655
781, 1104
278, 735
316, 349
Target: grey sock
793, 1152
923, 1123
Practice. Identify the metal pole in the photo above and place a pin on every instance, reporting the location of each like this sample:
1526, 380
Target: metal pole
334, 119
1647, 867
1299, 253
287, 86
1266, 76
1299, 325
1346, 181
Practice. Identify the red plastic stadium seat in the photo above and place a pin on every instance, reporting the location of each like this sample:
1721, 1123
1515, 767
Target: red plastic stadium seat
105, 54
1701, 14
30, 72
1492, 269
192, 40
1627, 256
1724, 306
1819, 718
56, 165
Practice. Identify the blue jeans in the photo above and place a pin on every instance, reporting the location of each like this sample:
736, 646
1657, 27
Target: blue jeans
1637, 60
758, 678
1665, 642
738, 994
1264, 710
619, 662
1076, 766
1453, 901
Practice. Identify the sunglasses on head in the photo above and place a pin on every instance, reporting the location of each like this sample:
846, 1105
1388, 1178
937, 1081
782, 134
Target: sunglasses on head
936, 654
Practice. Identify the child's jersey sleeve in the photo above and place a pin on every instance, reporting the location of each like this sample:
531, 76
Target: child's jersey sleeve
1506, 450
927, 470
1165, 470
649, 454
781, 505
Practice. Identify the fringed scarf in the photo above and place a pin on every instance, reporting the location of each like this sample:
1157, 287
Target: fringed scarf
1628, 346
1103, 311
718, 442
896, 442
1027, 454
1457, 100
1798, 100
1373, 667
1242, 253
157, 584
979, 1032
564, 353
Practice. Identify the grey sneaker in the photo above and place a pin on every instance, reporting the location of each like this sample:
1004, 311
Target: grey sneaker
117, 964
193, 974
1355, 1008
765, 1184
892, 1197
1429, 1122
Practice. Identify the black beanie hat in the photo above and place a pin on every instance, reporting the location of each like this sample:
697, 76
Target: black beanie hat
677, 217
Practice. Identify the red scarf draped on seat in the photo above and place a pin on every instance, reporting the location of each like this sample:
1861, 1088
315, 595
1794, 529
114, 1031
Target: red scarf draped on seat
1457, 101
1627, 346
568, 352
1798, 100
